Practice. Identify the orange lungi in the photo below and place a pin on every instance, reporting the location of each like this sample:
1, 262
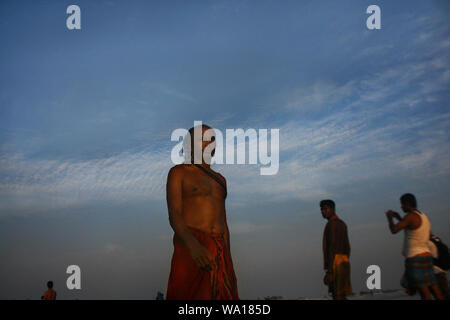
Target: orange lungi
187, 281
341, 284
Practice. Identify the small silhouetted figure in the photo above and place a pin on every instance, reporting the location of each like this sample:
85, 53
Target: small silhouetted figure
419, 275
50, 294
336, 253
160, 296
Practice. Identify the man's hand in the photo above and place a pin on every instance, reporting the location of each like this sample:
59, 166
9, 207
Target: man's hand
403, 223
327, 279
202, 257
393, 214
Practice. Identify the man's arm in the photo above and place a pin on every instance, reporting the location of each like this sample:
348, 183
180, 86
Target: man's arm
336, 233
346, 239
402, 224
326, 237
328, 263
174, 189
227, 231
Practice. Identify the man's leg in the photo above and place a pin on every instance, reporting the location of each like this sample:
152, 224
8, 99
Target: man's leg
436, 292
443, 284
425, 293
341, 278
330, 290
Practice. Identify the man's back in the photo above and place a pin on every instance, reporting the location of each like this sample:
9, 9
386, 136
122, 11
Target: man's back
417, 236
336, 236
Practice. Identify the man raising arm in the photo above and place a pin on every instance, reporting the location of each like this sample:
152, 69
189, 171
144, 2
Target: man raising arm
418, 260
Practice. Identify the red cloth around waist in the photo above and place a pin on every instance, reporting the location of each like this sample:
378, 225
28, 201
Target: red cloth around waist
187, 281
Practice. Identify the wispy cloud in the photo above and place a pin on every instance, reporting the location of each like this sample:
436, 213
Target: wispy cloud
317, 96
112, 248
375, 126
168, 91
30, 185
371, 130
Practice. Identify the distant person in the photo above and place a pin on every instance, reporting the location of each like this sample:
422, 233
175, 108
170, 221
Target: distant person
336, 253
419, 275
441, 260
160, 296
201, 267
50, 294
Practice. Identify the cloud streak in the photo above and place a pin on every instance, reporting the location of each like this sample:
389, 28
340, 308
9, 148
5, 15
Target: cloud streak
30, 185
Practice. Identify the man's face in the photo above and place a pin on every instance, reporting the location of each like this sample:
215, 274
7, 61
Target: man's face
405, 207
201, 144
326, 211
208, 135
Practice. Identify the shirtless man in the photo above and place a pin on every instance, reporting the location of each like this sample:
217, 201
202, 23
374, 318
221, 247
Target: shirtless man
419, 274
50, 294
201, 266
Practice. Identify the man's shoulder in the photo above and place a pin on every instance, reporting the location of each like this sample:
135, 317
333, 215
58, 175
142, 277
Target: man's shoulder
176, 173
178, 169
220, 176
413, 219
417, 213
412, 216
337, 222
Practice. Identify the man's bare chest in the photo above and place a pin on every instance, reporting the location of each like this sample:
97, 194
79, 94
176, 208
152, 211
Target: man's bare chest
201, 186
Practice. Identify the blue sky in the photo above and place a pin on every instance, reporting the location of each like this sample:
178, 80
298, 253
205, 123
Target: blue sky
86, 118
